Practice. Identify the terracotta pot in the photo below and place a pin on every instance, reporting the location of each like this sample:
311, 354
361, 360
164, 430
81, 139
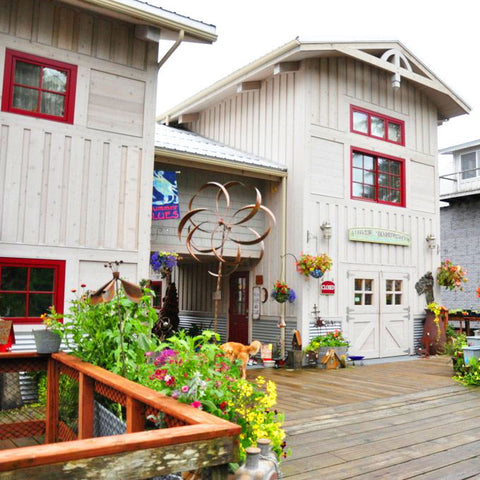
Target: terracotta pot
434, 337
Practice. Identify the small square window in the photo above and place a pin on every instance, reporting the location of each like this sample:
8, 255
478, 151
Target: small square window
39, 87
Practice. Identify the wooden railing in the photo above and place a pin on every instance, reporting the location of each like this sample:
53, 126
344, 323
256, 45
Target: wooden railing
191, 440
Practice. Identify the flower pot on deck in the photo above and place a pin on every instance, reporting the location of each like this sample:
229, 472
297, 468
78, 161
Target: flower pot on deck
470, 352
47, 341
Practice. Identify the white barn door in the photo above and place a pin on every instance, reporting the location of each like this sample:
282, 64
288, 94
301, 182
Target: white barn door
394, 314
378, 314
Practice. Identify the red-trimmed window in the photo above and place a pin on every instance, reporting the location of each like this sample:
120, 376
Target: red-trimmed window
378, 126
39, 87
378, 178
29, 286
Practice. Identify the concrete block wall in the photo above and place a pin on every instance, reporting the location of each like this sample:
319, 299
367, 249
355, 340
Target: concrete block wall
460, 243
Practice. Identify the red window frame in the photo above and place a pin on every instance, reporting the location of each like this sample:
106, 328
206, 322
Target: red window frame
11, 59
58, 284
377, 155
387, 120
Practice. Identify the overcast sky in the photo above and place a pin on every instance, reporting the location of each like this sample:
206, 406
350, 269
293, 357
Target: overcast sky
442, 34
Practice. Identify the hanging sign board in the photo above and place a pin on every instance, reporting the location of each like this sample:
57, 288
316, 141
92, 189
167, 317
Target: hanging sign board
5, 328
256, 303
266, 351
328, 287
378, 235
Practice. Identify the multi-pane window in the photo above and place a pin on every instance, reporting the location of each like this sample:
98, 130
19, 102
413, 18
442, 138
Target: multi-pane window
377, 178
39, 87
28, 287
393, 292
363, 294
468, 165
377, 126
239, 300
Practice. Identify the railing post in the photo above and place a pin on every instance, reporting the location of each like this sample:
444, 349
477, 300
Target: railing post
135, 420
86, 388
51, 420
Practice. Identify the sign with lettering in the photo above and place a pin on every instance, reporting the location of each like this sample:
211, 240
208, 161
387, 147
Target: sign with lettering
378, 235
256, 303
328, 287
165, 196
5, 330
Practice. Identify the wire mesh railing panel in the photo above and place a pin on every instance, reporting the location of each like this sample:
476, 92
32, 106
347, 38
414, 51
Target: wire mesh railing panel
67, 405
22, 398
109, 417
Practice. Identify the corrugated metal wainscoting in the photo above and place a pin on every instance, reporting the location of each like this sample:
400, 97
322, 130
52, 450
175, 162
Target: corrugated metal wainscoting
418, 323
205, 322
266, 331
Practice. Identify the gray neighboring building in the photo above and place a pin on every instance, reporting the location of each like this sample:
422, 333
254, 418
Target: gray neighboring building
460, 219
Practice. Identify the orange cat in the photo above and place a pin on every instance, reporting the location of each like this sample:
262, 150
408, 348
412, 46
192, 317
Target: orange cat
234, 351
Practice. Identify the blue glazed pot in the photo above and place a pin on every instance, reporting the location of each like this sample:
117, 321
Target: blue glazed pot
317, 273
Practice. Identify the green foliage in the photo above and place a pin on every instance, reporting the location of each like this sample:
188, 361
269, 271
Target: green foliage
469, 374
195, 371
331, 339
93, 333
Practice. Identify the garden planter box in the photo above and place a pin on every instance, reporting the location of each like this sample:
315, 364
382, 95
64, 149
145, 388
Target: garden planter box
322, 351
470, 352
46, 341
294, 359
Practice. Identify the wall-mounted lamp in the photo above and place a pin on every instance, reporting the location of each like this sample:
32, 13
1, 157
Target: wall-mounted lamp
431, 241
326, 229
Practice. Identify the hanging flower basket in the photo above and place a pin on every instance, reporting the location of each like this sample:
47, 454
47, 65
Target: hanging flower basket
163, 262
451, 276
314, 266
282, 293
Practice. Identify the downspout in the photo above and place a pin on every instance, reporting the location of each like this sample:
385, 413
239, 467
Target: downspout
283, 324
181, 36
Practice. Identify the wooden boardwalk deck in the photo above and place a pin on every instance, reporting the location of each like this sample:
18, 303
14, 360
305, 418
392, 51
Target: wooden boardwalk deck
389, 421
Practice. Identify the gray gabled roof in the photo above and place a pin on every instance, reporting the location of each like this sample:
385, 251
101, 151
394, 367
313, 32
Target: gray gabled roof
462, 146
175, 142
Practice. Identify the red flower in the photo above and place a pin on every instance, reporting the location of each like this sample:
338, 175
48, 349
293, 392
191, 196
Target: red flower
223, 405
196, 404
83, 285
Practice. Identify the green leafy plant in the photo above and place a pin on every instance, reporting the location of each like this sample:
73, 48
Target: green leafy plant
469, 374
331, 339
195, 371
313, 265
451, 276
92, 333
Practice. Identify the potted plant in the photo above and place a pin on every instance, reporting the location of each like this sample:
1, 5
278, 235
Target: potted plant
451, 276
314, 266
282, 292
330, 341
48, 340
163, 262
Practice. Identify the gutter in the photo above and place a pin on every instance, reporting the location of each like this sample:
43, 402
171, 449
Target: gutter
205, 35
189, 158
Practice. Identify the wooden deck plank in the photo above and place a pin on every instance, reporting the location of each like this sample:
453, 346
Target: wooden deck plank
398, 420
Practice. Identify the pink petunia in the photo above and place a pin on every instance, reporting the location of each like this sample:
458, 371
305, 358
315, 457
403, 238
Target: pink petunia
196, 404
185, 389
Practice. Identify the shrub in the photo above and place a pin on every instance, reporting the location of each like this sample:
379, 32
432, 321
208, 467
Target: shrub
195, 371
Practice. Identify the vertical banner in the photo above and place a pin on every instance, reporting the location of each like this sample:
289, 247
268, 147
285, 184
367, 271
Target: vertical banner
165, 196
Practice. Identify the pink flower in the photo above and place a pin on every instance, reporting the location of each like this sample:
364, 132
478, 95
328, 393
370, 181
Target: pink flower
185, 389
196, 404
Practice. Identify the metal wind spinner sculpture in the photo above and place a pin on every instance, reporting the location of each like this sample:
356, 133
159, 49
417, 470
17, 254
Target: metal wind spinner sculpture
221, 227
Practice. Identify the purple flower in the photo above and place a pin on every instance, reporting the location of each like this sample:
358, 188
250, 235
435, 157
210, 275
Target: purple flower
165, 356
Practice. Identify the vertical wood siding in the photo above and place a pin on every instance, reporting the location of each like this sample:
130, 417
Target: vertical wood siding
258, 122
64, 190
53, 24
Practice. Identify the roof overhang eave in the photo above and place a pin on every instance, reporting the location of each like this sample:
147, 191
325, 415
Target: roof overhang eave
203, 161
448, 102
194, 30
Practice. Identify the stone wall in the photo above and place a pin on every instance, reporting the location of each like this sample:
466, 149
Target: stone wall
460, 243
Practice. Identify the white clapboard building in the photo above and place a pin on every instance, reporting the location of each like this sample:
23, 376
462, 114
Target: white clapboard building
78, 82
341, 138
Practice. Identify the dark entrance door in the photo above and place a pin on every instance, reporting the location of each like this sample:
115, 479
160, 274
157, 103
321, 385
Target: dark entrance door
238, 309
